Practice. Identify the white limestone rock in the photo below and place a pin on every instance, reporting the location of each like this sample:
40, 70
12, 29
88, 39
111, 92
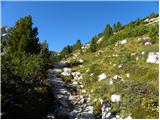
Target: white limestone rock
120, 66
114, 65
117, 77
123, 42
67, 72
147, 43
129, 117
110, 82
128, 75
83, 91
115, 98
81, 61
142, 53
102, 76
153, 58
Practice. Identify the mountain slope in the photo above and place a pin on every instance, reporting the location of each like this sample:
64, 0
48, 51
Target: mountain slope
123, 71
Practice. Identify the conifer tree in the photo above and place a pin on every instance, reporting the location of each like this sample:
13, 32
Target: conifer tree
108, 31
23, 38
93, 45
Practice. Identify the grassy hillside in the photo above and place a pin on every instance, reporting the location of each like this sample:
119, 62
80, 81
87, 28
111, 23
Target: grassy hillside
138, 82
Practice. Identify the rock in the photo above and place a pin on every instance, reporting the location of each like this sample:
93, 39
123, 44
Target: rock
101, 100
116, 44
91, 90
105, 110
110, 82
81, 86
100, 40
89, 109
133, 54
67, 72
50, 116
85, 115
115, 98
81, 61
139, 39
75, 83
83, 91
73, 114
117, 77
129, 117
101, 76
123, 42
91, 74
114, 65
128, 75
142, 53
81, 101
117, 117
147, 43
57, 70
153, 58
77, 75
120, 66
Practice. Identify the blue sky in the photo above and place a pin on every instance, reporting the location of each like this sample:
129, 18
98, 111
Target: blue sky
62, 23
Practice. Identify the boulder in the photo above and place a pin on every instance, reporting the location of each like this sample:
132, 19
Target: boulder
85, 115
91, 74
142, 53
129, 117
115, 98
117, 77
110, 82
77, 75
147, 43
153, 58
81, 61
67, 72
56, 70
133, 54
101, 76
128, 75
89, 109
105, 110
120, 66
123, 42
114, 65
73, 114
83, 91
75, 83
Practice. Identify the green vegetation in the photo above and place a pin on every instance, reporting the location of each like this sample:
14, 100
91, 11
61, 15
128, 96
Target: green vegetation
139, 91
25, 91
93, 46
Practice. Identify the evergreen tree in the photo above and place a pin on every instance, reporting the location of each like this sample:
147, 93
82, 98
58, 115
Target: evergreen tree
78, 44
23, 38
93, 45
108, 31
117, 27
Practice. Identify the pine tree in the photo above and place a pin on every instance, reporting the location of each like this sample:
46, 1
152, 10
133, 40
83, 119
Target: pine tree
117, 27
93, 45
108, 31
23, 38
78, 44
